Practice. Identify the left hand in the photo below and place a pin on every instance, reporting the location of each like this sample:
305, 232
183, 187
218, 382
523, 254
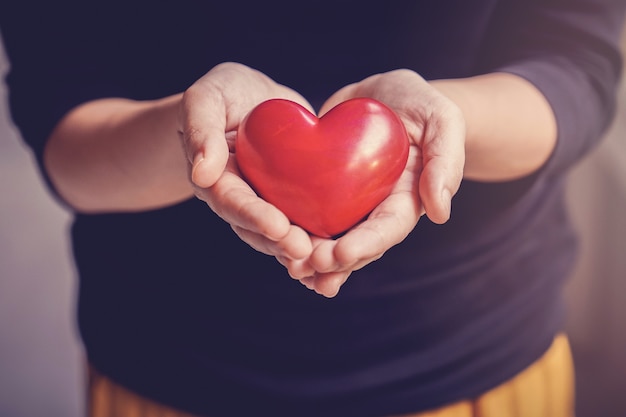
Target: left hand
433, 173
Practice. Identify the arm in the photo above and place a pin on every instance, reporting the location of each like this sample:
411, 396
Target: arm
510, 127
115, 154
123, 155
119, 155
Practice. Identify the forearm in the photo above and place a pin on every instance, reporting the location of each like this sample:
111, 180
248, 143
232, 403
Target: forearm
511, 130
119, 155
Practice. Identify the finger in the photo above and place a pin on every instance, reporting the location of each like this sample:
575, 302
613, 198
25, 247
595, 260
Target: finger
231, 138
202, 123
329, 284
386, 226
297, 268
295, 245
308, 282
444, 158
233, 200
323, 256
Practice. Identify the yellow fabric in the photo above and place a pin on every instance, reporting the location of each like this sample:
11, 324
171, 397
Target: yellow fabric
545, 389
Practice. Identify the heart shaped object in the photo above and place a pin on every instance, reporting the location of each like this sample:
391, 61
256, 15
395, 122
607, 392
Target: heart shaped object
326, 174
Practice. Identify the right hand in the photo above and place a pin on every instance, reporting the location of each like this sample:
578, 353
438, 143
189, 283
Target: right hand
433, 173
210, 113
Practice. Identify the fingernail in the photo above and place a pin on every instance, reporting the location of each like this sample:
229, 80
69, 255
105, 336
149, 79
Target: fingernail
446, 201
197, 159
308, 282
195, 167
332, 294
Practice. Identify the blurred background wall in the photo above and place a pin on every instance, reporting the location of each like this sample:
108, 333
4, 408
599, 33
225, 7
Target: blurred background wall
597, 291
41, 357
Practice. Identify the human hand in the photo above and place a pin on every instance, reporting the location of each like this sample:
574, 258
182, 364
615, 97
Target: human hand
210, 112
433, 173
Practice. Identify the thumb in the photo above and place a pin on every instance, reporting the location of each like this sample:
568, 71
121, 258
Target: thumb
202, 126
443, 158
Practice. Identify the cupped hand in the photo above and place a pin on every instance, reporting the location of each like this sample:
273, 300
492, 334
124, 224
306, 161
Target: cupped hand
210, 112
433, 173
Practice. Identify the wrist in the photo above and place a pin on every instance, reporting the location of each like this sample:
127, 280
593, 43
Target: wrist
510, 127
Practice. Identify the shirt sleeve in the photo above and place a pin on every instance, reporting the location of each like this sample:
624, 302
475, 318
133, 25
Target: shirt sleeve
55, 64
570, 50
63, 55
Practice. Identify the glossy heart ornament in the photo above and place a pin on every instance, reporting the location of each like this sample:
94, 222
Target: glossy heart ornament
326, 174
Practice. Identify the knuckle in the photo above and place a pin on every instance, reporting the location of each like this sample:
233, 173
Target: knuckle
191, 135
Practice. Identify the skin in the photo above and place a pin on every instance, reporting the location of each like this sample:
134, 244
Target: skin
123, 155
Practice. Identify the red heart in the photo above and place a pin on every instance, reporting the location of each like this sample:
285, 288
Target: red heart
325, 174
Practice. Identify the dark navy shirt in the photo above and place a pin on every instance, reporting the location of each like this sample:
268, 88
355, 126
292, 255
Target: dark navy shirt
175, 307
